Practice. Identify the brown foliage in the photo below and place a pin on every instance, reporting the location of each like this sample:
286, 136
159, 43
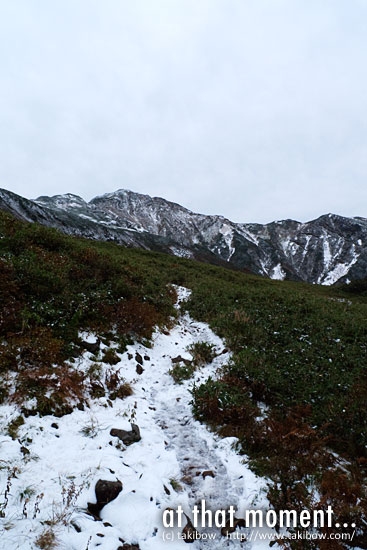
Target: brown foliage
136, 318
39, 348
46, 540
345, 491
35, 348
116, 385
55, 389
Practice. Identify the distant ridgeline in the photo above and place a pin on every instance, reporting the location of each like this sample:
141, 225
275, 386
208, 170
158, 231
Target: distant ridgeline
327, 250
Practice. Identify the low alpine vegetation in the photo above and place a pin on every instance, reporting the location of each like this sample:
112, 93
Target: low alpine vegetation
52, 289
294, 391
202, 353
182, 371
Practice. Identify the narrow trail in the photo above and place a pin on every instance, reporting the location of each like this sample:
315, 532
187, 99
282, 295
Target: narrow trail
68, 455
197, 450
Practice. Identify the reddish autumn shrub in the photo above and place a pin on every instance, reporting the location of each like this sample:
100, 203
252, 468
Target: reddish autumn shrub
346, 492
55, 390
39, 348
136, 317
116, 385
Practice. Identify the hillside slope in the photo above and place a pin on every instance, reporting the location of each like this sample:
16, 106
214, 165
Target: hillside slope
291, 385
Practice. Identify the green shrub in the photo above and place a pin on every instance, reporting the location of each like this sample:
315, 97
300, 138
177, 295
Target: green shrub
181, 371
202, 353
14, 426
223, 402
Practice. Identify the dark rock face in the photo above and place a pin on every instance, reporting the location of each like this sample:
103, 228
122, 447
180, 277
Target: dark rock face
326, 250
106, 491
127, 437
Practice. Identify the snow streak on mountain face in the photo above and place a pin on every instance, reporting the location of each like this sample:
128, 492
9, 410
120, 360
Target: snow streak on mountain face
326, 250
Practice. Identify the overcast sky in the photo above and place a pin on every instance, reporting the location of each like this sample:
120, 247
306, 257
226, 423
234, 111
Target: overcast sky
256, 110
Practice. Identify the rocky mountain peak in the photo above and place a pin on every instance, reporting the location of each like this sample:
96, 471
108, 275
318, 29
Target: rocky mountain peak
69, 200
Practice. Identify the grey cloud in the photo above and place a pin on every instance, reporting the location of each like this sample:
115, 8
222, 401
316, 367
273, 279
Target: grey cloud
254, 110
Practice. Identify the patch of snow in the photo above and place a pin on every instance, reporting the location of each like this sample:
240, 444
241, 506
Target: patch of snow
88, 337
227, 233
69, 458
305, 250
284, 243
278, 273
339, 271
248, 234
86, 217
327, 254
181, 252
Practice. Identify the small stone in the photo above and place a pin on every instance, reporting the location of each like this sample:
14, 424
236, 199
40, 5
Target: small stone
125, 436
138, 358
106, 491
208, 473
92, 347
54, 425
180, 359
139, 369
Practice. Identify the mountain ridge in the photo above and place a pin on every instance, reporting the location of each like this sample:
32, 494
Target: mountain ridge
329, 249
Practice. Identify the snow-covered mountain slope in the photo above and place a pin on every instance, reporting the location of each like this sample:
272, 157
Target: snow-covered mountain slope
326, 250
49, 471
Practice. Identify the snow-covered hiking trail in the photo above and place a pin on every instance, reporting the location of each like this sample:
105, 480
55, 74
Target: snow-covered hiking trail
48, 485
